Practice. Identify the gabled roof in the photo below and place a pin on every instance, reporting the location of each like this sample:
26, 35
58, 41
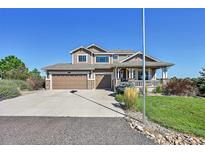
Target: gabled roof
105, 51
137, 53
96, 46
81, 47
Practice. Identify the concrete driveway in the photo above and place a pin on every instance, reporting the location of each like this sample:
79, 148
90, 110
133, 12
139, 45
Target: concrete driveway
60, 103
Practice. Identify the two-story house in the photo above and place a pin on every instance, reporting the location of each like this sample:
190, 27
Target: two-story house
93, 67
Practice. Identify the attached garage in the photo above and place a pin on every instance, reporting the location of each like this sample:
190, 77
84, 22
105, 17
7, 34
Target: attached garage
103, 81
69, 81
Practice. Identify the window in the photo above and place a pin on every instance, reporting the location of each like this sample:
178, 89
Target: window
102, 59
115, 57
140, 75
82, 58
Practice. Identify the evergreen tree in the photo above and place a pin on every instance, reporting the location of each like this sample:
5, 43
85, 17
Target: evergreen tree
201, 81
12, 67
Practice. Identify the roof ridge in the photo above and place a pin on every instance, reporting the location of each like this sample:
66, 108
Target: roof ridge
97, 47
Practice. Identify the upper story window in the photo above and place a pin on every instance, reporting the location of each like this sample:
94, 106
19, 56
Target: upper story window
115, 57
102, 59
82, 58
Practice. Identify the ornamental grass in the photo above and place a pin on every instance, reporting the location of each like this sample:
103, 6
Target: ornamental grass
130, 98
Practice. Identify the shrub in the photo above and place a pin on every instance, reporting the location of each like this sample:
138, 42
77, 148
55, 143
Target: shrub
119, 98
11, 88
159, 89
36, 83
181, 87
200, 83
8, 91
7, 83
130, 98
22, 85
121, 88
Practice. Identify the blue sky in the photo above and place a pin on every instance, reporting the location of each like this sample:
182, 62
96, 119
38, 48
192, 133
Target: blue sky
42, 37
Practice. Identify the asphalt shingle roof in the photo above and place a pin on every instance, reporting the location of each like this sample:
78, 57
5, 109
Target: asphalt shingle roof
67, 66
122, 51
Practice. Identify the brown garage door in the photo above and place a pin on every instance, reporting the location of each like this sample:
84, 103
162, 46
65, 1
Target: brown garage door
69, 81
102, 81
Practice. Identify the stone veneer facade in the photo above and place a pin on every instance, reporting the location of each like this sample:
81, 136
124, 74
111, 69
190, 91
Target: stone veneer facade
47, 84
90, 84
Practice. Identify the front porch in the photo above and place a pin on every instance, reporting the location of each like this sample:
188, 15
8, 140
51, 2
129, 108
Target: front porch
135, 75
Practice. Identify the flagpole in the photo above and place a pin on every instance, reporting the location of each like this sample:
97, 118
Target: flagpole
144, 74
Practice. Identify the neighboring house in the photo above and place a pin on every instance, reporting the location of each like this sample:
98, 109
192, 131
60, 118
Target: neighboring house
93, 67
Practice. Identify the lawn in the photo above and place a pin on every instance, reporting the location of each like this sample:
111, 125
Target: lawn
185, 114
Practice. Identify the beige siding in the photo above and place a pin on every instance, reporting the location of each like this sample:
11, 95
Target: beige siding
81, 51
91, 84
139, 58
47, 84
95, 49
121, 57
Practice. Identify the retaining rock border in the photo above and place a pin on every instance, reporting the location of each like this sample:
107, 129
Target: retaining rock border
159, 134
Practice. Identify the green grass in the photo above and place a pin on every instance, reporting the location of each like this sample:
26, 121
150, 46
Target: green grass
119, 98
185, 114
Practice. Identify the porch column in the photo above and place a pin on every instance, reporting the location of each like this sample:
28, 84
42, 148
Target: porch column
149, 74
126, 74
118, 73
130, 73
115, 73
164, 75
155, 75
51, 82
115, 79
133, 70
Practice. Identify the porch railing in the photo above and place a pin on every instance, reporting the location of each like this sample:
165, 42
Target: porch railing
149, 83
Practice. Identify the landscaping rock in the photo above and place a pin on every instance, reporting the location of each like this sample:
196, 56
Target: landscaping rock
160, 134
139, 128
